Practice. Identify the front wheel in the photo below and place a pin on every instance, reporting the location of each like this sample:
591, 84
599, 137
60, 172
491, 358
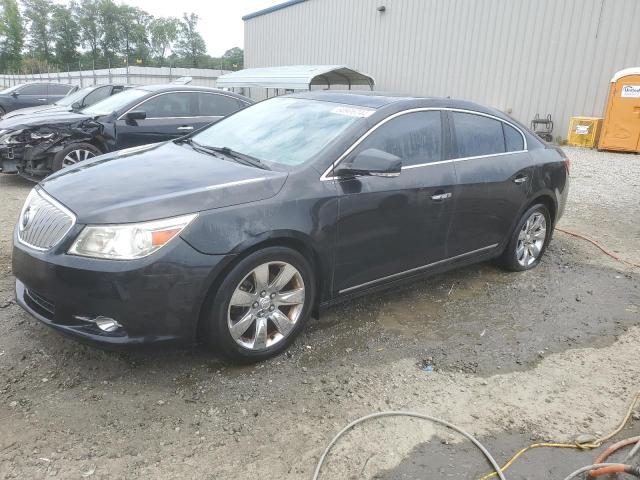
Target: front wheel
72, 154
529, 240
261, 305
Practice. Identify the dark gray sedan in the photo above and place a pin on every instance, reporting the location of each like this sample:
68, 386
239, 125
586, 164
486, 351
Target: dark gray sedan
73, 102
236, 234
32, 95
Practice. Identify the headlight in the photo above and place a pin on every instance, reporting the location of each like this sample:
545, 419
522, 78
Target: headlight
41, 136
9, 138
129, 241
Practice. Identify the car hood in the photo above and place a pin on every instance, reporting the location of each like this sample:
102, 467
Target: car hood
38, 109
37, 120
157, 181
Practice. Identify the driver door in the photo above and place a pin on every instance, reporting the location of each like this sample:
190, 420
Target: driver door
390, 226
168, 115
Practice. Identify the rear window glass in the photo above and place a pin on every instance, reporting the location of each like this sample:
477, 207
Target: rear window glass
214, 105
59, 89
512, 138
477, 135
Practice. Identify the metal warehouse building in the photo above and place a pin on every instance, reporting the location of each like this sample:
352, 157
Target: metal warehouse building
522, 56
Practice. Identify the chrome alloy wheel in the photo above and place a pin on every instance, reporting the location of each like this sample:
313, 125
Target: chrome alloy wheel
531, 239
266, 305
75, 156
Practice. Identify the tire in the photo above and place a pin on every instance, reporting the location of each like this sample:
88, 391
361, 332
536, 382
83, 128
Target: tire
527, 239
245, 320
72, 154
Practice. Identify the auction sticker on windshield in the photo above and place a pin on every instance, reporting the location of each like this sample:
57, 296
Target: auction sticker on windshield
353, 112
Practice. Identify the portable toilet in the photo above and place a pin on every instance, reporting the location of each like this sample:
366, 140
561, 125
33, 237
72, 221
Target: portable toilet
621, 126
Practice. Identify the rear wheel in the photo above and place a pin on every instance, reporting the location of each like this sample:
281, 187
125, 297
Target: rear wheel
72, 154
261, 305
529, 240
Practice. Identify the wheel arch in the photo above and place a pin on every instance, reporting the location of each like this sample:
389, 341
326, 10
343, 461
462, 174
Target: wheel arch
291, 239
547, 199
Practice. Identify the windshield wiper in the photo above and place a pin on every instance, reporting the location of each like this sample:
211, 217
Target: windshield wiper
239, 157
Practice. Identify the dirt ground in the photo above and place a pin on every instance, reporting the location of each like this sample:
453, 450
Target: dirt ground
546, 354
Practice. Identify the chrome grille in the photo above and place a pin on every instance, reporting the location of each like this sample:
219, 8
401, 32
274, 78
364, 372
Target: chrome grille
43, 221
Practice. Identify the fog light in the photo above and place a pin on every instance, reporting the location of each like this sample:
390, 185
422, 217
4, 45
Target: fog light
107, 324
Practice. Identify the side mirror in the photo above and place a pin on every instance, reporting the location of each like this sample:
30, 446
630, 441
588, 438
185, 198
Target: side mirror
75, 106
15, 94
134, 115
372, 162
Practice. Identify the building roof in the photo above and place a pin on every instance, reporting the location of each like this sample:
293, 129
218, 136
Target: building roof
295, 77
275, 8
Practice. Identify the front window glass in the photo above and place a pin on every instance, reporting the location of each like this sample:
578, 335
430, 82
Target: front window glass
115, 102
167, 105
288, 131
414, 137
33, 90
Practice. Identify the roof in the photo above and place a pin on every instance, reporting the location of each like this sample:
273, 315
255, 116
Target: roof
275, 8
295, 77
397, 101
625, 73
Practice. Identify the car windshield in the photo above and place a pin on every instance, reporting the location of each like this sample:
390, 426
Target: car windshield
287, 131
10, 89
115, 102
74, 97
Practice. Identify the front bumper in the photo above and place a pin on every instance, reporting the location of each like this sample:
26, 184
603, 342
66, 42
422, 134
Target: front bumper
154, 299
10, 157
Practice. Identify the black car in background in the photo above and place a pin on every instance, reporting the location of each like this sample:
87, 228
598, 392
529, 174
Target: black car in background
75, 101
37, 145
236, 234
34, 94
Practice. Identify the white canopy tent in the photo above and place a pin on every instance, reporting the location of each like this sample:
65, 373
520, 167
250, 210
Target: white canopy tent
295, 77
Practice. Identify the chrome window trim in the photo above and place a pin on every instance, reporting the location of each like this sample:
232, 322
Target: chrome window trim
416, 269
326, 175
48, 198
121, 117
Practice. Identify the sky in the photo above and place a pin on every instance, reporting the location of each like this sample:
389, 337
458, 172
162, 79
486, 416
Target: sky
220, 24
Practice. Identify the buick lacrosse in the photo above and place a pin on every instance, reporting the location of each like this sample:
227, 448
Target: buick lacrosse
236, 234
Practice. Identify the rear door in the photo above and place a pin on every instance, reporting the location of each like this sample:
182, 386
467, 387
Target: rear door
388, 227
31, 95
494, 173
169, 115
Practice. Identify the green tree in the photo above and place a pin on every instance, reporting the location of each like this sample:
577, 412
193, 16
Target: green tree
11, 35
163, 32
87, 16
65, 34
233, 59
132, 26
38, 15
109, 16
190, 45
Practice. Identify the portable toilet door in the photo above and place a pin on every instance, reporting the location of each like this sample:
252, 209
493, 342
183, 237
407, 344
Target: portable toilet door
621, 127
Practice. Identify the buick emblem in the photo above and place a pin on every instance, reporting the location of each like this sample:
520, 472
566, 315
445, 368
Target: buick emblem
27, 216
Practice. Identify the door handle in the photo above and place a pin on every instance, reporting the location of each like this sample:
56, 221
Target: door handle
185, 127
441, 196
520, 179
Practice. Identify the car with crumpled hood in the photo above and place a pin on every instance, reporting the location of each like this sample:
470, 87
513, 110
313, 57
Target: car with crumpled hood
41, 144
